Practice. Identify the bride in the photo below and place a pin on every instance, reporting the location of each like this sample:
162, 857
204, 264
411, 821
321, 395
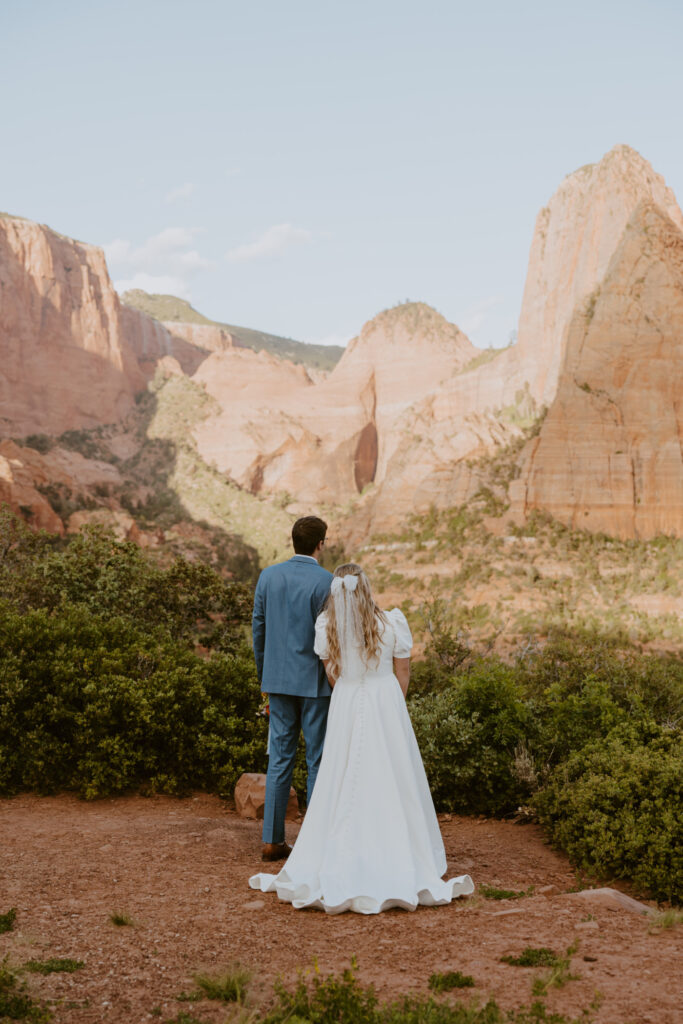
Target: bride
370, 839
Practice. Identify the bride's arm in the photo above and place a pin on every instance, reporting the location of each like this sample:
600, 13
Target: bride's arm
402, 673
330, 678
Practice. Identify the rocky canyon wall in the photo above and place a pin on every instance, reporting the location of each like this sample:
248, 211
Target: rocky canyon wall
394, 428
575, 238
65, 362
71, 355
609, 456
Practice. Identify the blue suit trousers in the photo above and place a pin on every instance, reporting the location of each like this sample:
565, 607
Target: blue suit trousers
288, 716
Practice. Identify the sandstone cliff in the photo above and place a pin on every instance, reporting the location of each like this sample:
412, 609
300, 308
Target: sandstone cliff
64, 359
575, 238
609, 456
152, 340
325, 442
71, 355
475, 412
27, 477
411, 403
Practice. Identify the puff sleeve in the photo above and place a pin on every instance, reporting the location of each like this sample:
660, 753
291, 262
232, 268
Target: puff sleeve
320, 644
404, 640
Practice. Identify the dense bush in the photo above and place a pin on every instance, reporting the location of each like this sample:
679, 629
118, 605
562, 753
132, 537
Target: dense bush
108, 577
468, 735
98, 705
585, 734
101, 686
616, 807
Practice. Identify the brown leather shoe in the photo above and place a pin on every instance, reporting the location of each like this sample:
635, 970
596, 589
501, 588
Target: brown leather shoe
275, 851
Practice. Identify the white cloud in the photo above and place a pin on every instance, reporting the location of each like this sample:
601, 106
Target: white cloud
156, 285
166, 261
273, 241
174, 195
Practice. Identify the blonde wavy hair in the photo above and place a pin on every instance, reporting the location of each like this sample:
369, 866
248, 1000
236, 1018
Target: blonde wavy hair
371, 619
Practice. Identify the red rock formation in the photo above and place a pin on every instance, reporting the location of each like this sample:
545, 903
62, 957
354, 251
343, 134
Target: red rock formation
64, 360
152, 341
325, 442
575, 238
26, 474
474, 412
609, 456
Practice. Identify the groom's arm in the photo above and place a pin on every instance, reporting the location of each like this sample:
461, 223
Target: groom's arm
258, 628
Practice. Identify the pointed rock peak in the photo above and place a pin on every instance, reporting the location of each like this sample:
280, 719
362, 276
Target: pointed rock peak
621, 153
413, 324
413, 318
623, 169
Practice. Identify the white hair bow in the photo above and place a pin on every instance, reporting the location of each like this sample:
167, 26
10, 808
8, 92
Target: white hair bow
349, 630
349, 582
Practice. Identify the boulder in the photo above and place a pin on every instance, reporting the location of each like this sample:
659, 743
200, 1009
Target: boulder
612, 899
250, 797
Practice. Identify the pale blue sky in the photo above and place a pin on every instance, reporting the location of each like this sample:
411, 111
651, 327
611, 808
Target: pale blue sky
298, 167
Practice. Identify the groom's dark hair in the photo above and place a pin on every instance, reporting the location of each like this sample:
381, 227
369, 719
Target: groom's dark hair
307, 533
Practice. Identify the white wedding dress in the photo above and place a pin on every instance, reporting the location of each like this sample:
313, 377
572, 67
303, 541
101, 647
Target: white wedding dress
370, 839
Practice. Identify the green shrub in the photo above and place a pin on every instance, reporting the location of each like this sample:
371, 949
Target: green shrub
345, 1001
98, 705
109, 577
16, 1002
468, 735
616, 807
7, 920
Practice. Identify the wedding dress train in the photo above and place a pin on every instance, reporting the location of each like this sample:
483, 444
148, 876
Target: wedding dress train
370, 839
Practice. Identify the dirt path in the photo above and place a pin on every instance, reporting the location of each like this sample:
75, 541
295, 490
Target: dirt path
179, 868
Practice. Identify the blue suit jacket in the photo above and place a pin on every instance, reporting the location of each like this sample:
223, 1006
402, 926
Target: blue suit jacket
288, 599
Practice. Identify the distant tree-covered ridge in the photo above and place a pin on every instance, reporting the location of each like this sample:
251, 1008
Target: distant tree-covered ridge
170, 307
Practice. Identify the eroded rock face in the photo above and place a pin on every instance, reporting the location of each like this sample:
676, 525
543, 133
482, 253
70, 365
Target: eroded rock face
472, 413
64, 359
250, 390
326, 441
189, 344
609, 456
27, 477
575, 238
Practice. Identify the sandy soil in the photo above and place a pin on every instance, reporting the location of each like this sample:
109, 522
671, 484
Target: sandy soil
179, 868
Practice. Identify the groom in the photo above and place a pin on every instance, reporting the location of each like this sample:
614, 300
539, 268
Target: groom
288, 599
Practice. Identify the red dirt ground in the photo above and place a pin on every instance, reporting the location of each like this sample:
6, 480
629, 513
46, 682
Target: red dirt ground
179, 868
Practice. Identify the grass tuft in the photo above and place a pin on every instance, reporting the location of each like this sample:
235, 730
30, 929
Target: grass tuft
7, 921
666, 919
53, 966
559, 974
120, 920
229, 987
450, 980
530, 957
490, 892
